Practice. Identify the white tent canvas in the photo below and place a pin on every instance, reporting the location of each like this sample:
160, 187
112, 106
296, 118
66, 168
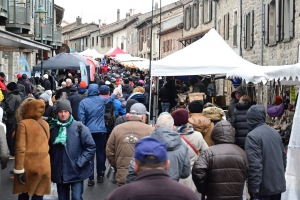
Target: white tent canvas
91, 53
209, 55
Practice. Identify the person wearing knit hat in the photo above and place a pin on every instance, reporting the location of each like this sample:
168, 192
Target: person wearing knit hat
11, 86
73, 142
200, 123
193, 139
124, 118
49, 111
82, 89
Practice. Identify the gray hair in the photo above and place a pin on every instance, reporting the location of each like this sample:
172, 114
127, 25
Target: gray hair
165, 121
68, 80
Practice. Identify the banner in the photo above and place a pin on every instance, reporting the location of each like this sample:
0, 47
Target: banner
83, 72
24, 67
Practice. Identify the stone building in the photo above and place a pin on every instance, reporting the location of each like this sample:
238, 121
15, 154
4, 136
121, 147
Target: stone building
76, 34
20, 34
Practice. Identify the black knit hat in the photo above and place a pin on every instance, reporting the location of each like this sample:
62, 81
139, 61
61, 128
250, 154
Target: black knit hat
129, 103
196, 106
63, 104
11, 86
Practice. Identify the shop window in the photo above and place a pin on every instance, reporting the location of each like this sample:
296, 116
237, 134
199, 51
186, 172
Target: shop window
206, 11
195, 15
102, 42
235, 28
249, 30
187, 18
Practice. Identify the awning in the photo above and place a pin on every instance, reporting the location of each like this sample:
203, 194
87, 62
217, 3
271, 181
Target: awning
10, 41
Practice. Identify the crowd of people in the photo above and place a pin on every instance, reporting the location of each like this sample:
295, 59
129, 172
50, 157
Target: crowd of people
64, 130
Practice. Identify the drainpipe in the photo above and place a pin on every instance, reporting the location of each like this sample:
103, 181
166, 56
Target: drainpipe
241, 25
262, 34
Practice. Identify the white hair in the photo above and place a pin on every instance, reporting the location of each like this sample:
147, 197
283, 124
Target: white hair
68, 80
165, 121
63, 83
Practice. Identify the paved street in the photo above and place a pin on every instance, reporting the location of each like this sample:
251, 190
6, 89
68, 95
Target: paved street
99, 191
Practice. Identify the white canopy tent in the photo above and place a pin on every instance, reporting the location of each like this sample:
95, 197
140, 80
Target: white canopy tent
209, 55
91, 53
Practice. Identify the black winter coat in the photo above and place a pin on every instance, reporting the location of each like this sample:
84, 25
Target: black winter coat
75, 99
47, 84
239, 122
127, 89
266, 155
221, 170
49, 111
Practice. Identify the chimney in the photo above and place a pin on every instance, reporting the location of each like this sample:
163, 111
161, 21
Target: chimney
118, 14
127, 15
99, 23
78, 21
156, 6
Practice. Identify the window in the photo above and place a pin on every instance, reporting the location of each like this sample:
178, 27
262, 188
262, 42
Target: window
195, 15
226, 26
187, 18
148, 38
206, 11
235, 27
219, 26
167, 45
97, 40
86, 41
122, 45
108, 41
93, 41
102, 42
141, 40
249, 30
117, 42
288, 19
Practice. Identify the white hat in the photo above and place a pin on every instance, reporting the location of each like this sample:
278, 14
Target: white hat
46, 76
107, 83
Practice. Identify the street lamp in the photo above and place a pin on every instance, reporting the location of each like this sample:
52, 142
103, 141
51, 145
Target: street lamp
41, 12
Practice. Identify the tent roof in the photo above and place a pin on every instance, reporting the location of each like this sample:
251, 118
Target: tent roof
209, 55
114, 51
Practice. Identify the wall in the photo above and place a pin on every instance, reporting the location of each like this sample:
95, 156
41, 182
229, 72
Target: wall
117, 39
176, 45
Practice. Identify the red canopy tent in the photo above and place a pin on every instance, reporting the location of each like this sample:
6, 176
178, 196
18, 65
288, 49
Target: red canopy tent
114, 51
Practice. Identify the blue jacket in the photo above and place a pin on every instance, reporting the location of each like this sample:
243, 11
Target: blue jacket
75, 99
92, 109
118, 108
71, 163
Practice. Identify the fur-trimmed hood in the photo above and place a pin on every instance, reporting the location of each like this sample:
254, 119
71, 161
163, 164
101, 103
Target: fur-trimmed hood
20, 111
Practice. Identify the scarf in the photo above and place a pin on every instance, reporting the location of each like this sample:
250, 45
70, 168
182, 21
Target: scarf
185, 129
62, 132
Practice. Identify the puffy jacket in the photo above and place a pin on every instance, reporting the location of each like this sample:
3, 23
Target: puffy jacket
121, 143
239, 122
266, 155
119, 110
233, 103
91, 110
221, 171
12, 102
71, 163
203, 125
75, 99
178, 155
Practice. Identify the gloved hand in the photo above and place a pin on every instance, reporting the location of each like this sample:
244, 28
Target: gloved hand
254, 197
21, 178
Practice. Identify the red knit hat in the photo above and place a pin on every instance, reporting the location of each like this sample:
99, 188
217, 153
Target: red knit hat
180, 117
19, 76
82, 84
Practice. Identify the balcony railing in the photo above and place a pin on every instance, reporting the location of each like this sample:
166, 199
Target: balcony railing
57, 36
47, 29
19, 13
3, 8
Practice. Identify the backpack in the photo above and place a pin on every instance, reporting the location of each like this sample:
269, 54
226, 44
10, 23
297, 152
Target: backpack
1, 96
79, 128
109, 115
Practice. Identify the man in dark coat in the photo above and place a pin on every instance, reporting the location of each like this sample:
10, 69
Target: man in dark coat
221, 171
151, 164
74, 99
47, 84
27, 85
266, 157
235, 97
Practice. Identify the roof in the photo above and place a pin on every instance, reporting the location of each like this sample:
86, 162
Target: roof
77, 27
80, 36
118, 21
199, 34
59, 13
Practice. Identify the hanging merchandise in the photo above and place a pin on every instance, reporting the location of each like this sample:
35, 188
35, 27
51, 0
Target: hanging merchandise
275, 108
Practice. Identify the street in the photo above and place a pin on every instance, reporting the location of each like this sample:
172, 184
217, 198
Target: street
99, 191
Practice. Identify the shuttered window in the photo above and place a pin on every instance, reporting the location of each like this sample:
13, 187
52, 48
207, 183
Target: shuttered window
226, 26
148, 38
170, 45
141, 40
102, 42
206, 11
249, 30
235, 28
195, 15
187, 18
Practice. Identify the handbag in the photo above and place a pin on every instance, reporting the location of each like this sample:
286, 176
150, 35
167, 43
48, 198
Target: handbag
111, 174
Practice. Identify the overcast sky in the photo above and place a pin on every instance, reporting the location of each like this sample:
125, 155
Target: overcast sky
106, 10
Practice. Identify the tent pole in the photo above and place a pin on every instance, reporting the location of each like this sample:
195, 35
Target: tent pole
150, 101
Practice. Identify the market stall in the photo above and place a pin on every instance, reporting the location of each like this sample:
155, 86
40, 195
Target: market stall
91, 53
114, 51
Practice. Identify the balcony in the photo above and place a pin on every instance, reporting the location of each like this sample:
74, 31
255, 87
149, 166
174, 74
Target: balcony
3, 11
47, 30
18, 17
57, 36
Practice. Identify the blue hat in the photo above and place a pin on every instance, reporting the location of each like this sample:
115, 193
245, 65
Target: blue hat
104, 89
150, 147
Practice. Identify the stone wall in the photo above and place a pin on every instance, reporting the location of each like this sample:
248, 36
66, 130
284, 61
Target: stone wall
176, 45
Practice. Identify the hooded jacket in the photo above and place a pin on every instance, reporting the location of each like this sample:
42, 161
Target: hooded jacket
13, 102
221, 171
75, 99
215, 114
31, 151
202, 125
178, 155
239, 122
233, 102
4, 151
266, 155
121, 143
91, 110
